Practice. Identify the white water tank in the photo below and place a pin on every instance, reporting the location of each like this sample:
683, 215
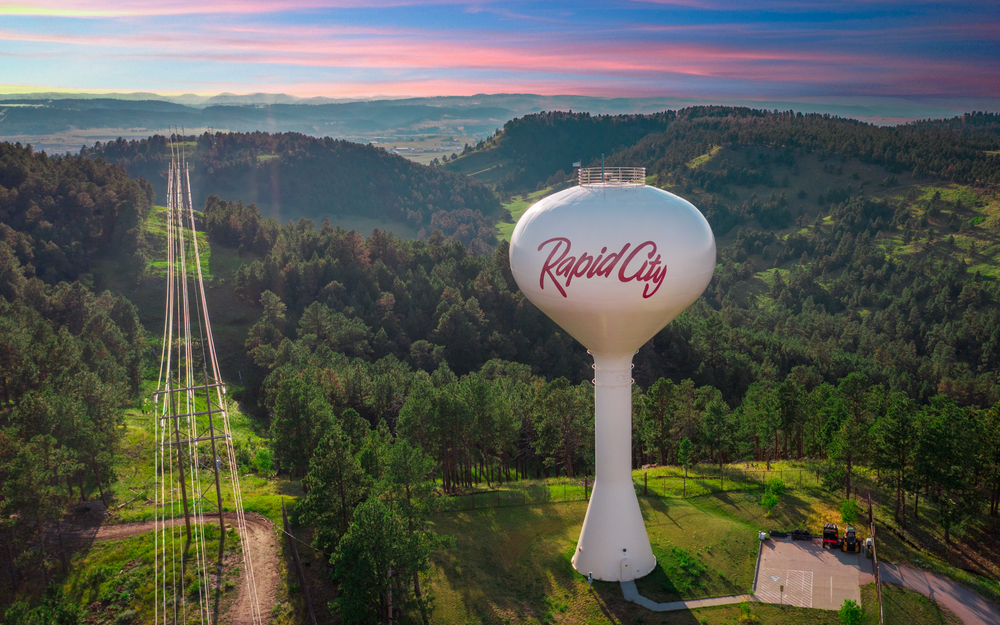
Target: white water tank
612, 261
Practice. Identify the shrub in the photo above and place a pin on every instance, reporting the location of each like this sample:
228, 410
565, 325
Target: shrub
685, 573
849, 511
772, 496
850, 613
264, 462
769, 501
747, 616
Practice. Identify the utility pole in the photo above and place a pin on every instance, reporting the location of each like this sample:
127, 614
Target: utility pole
180, 461
878, 580
215, 469
201, 420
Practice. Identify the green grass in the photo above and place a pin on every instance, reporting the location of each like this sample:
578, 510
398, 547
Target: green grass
668, 481
485, 165
901, 605
512, 565
517, 206
114, 578
139, 483
949, 193
365, 225
156, 234
657, 481
767, 276
704, 158
698, 554
95, 574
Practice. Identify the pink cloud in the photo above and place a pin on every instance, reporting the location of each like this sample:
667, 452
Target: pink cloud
393, 49
571, 60
784, 5
140, 8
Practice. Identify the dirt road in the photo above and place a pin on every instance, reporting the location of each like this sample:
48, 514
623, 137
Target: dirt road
263, 543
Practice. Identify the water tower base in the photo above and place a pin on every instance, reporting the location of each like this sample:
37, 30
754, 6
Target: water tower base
613, 543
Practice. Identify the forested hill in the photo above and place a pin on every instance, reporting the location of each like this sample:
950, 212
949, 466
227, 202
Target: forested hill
59, 215
70, 359
538, 149
961, 150
534, 148
290, 175
829, 264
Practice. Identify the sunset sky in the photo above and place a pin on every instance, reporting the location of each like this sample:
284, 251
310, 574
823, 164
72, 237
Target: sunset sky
349, 48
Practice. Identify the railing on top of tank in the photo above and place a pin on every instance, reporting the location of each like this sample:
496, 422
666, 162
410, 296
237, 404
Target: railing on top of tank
613, 176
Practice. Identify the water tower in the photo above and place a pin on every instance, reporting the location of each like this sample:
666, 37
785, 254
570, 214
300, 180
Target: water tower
612, 261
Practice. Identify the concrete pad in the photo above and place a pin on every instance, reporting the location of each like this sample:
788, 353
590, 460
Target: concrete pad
812, 577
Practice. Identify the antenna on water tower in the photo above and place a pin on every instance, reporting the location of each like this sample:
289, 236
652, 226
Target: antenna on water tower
612, 261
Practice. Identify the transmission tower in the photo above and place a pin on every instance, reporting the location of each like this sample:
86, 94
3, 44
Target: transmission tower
192, 419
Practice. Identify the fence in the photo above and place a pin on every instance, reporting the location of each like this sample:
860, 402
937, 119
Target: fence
562, 490
612, 176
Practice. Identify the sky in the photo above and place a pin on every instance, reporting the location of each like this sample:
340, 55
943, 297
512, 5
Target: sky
743, 49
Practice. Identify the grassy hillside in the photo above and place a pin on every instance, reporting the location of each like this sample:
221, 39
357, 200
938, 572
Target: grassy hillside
965, 220
512, 565
230, 318
517, 205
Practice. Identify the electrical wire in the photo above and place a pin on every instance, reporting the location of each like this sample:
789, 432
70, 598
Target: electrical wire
176, 385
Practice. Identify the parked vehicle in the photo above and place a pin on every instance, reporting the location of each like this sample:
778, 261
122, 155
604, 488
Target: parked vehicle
850, 544
831, 538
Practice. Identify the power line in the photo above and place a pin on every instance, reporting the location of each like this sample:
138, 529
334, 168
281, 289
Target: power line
177, 385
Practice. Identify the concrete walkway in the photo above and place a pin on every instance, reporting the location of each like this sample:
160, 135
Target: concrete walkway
632, 594
967, 605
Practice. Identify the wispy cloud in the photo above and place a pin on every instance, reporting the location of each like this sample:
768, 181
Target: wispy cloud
327, 47
139, 8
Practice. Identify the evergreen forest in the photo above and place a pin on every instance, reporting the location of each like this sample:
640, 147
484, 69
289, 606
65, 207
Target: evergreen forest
853, 322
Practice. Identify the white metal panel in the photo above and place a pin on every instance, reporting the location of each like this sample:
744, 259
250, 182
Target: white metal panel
612, 265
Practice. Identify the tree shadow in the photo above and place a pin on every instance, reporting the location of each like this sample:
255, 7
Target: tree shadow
77, 530
661, 505
318, 575
290, 488
609, 597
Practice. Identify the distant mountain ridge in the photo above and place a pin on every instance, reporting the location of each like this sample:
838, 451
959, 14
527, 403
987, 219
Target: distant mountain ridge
866, 109
63, 122
186, 99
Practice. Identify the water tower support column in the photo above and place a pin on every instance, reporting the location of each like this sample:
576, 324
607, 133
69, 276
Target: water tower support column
613, 543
